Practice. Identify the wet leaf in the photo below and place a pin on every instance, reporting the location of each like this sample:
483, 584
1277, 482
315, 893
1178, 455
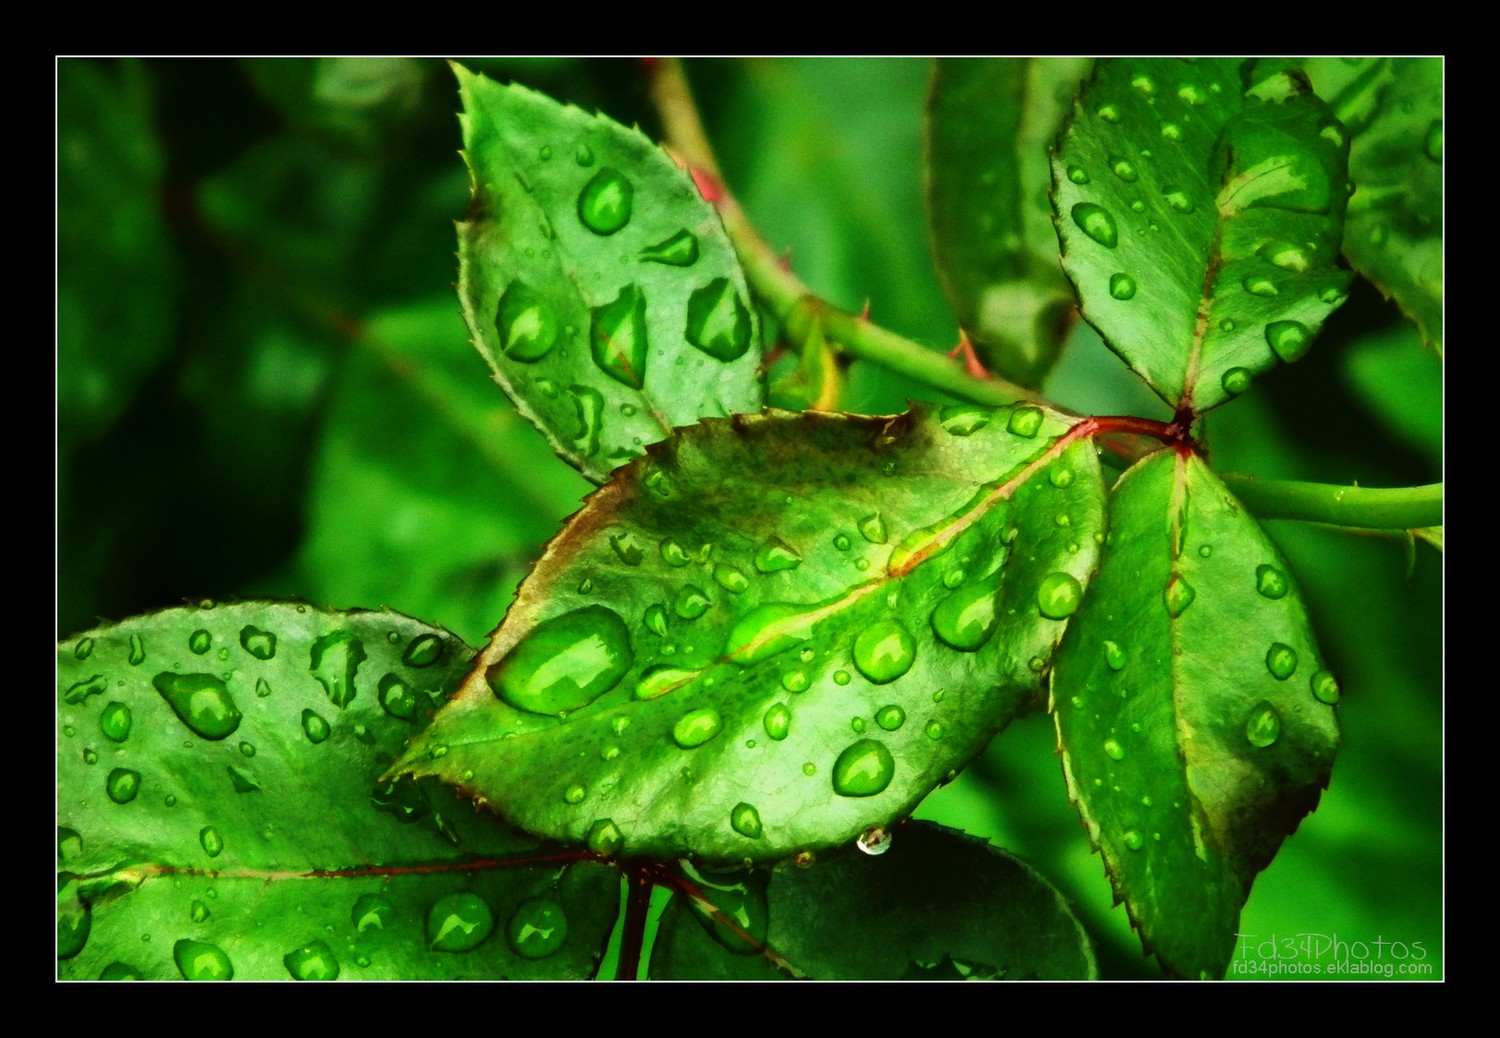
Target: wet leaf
1200, 215
989, 124
597, 283
219, 811
934, 904
813, 617
1193, 707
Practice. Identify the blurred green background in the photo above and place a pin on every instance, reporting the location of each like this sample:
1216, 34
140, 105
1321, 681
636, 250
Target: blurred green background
265, 389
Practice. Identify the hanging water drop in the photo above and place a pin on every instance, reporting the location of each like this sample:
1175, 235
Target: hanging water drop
874, 841
604, 837
564, 663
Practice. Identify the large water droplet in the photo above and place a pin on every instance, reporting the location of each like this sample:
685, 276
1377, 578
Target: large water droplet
1263, 726
1178, 595
966, 619
200, 641
627, 548
1270, 581
424, 651
564, 663
884, 651
200, 701
1281, 661
537, 929
1124, 169
604, 837
778, 721
1058, 595
775, 556
210, 840
618, 337
197, 960
1290, 340
1122, 286
745, 820
1236, 380
258, 643
114, 722
334, 661
1284, 255
458, 923
1096, 221
312, 961
314, 727
718, 322
1024, 421
605, 201
730, 578
372, 912
397, 698
661, 679
863, 769
696, 727
890, 717
680, 250
690, 602
1325, 687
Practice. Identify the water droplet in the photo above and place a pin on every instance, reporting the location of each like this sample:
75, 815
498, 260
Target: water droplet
537, 929
680, 250
841, 677
1124, 169
1205, 550
1122, 286
627, 548
730, 578
1096, 221
656, 620
372, 912
258, 643
397, 698
884, 651
778, 721
247, 749
74, 917
718, 322
1191, 94
966, 619
1281, 661
198, 912
661, 679
90, 757
690, 602
745, 820
857, 724
114, 722
863, 769
1236, 380
137, 650
1058, 595
795, 681
1432, 143
934, 730
1113, 750
575, 793
200, 701
458, 923
1078, 175
211, 841
1290, 340
1178, 199
312, 961
526, 323
872, 528
1178, 595
314, 727
120, 971
564, 663
964, 419
1332, 296
334, 661
1379, 234
604, 837
841, 542
1171, 131
605, 201
696, 727
874, 841
80, 691
1325, 687
200, 641
170, 800
673, 553
83, 649
424, 651
1109, 113
1133, 840
1024, 421
1144, 84
1284, 255
890, 717
618, 338
775, 556
1114, 656
1263, 726
584, 155
197, 960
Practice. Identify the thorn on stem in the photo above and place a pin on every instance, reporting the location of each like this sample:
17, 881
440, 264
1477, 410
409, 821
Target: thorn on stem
708, 185
965, 351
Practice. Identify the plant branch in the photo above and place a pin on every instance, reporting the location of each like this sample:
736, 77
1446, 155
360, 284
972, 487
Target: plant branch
1401, 508
782, 290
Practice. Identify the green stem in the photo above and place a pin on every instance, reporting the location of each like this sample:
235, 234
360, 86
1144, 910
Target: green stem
1401, 508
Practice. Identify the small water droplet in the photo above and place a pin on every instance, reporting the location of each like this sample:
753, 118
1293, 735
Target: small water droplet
313, 961
1236, 380
169, 800
604, 837
1114, 656
1263, 726
864, 769
458, 923
258, 643
775, 557
1289, 340
809, 769
1078, 175
1192, 94
424, 651
210, 840
965, 619
1178, 595
680, 250
841, 677
618, 337
83, 649
718, 322
197, 960
934, 730
964, 419
857, 724
314, 727
884, 651
604, 204
875, 841
1178, 199
1171, 131
1284, 255
1124, 169
1432, 143
90, 757
730, 578
1133, 840
396, 698
1109, 113
1096, 221
1270, 581
1113, 750
564, 663
690, 602
1281, 660
778, 721
795, 681
576, 793
198, 912
660, 679
696, 727
1024, 421
890, 717
247, 749
114, 722
656, 620
137, 650
1122, 286
628, 548
841, 542
200, 641
872, 528
1325, 687
745, 820
1058, 595
673, 553
1144, 84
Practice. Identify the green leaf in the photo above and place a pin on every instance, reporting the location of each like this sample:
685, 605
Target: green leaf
771, 611
927, 903
989, 123
1200, 222
1394, 234
596, 281
1193, 709
219, 811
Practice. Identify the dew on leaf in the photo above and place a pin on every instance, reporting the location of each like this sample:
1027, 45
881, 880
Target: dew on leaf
526, 324
1281, 661
197, 960
884, 651
1133, 840
963, 419
1260, 285
1078, 175
74, 917
775, 556
1114, 656
114, 722
718, 322
604, 837
934, 730
1325, 687
745, 820
80, 691
1263, 726
875, 841
564, 663
1236, 380
314, 727
537, 929
690, 602
210, 840
1178, 595
1096, 221
841, 677
198, 912
679, 250
396, 698
1109, 113
965, 619
575, 794
334, 660
627, 548
1289, 340
371, 912
730, 578
1024, 421
137, 651
890, 717
313, 961
1270, 581
842, 542
1432, 141
1122, 286
90, 756
1178, 199
1113, 750
660, 679
656, 620
1144, 84
120, 971
604, 204
618, 337
83, 648
1124, 169
424, 651
122, 785
1058, 595
864, 769
1171, 131
458, 923
872, 528
200, 641
696, 727
857, 723
673, 553
778, 721
795, 681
